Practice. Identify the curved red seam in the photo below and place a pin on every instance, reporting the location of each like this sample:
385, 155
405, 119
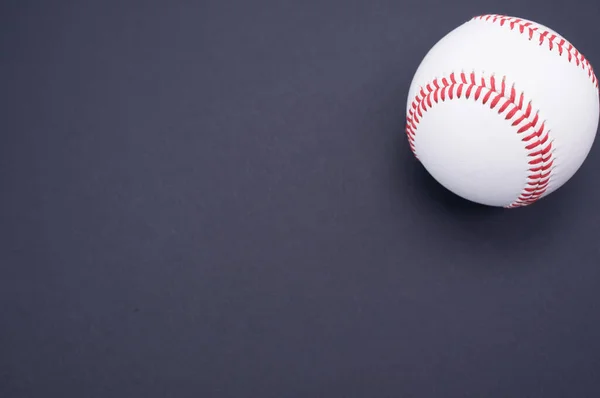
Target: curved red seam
553, 41
505, 100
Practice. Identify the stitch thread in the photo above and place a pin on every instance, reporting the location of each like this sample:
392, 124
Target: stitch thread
552, 40
506, 101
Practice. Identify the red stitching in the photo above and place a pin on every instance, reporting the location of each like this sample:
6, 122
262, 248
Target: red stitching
499, 96
552, 40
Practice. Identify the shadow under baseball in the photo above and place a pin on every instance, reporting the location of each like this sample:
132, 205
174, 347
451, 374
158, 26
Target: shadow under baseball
508, 230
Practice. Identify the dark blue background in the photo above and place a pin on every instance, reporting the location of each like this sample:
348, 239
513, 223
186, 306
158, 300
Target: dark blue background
217, 199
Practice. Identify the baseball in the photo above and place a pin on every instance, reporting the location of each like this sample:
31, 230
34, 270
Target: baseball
502, 111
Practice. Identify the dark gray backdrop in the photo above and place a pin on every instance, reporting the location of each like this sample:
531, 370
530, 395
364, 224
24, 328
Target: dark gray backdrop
216, 199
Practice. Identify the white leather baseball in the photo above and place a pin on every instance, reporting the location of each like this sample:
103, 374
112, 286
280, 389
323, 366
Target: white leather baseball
502, 111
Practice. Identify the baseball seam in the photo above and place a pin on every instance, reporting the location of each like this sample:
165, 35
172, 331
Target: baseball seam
552, 40
507, 102
499, 96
